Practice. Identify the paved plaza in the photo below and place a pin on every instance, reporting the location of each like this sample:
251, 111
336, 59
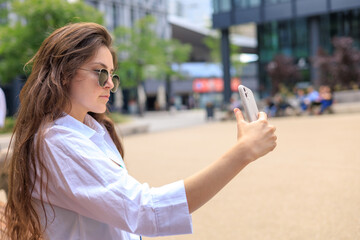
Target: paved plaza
307, 188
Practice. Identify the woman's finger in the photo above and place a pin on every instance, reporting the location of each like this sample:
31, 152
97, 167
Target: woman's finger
238, 114
262, 116
240, 121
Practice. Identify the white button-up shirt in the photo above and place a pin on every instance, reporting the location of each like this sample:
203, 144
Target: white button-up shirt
95, 198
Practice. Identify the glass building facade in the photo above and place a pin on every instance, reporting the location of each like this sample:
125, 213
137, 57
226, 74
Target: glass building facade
290, 38
296, 38
295, 28
247, 3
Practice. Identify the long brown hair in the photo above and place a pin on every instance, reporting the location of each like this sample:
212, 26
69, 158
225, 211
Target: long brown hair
43, 99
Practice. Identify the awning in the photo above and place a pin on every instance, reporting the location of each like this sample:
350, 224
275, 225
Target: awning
205, 85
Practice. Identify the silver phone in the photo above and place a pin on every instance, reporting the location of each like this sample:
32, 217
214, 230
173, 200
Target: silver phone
249, 103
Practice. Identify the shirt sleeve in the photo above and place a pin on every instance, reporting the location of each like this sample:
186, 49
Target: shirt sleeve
84, 180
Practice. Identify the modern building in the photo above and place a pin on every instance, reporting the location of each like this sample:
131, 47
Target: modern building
127, 12
188, 33
202, 84
204, 78
196, 12
179, 20
295, 28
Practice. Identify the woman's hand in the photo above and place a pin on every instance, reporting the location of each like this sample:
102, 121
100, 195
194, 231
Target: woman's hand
258, 136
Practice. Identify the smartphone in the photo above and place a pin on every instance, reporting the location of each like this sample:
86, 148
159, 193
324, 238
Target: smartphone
249, 103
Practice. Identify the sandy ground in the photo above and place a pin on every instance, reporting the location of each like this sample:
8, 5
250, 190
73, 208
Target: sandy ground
307, 188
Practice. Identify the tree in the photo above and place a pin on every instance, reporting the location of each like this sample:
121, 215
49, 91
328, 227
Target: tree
36, 19
140, 49
282, 71
325, 65
342, 69
3, 11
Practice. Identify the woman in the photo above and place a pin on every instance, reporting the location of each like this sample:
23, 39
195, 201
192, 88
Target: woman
67, 175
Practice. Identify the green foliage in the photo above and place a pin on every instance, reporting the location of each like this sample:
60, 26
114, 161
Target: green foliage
138, 47
8, 126
213, 43
3, 12
36, 19
142, 52
175, 52
119, 118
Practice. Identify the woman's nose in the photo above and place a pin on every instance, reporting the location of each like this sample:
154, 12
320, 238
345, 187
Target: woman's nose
109, 82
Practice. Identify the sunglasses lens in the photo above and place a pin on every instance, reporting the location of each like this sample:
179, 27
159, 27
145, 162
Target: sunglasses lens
116, 82
103, 77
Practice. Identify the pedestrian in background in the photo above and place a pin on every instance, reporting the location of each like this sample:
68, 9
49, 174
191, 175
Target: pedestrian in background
326, 99
2, 108
68, 179
210, 111
312, 99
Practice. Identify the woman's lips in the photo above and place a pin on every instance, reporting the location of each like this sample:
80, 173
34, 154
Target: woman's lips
105, 96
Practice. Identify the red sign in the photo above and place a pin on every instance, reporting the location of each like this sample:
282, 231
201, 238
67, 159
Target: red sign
205, 85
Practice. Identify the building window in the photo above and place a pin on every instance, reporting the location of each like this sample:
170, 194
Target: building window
115, 11
132, 16
325, 32
247, 3
276, 1
221, 6
285, 37
355, 27
225, 5
301, 38
179, 9
254, 3
95, 4
215, 4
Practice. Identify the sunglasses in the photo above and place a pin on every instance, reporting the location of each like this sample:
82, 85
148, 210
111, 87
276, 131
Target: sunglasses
104, 77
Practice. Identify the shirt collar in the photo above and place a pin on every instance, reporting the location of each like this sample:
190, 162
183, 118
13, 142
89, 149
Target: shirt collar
89, 128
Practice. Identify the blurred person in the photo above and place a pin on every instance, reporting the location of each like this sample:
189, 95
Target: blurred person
209, 111
270, 107
278, 106
301, 100
312, 99
2, 108
326, 99
234, 103
281, 105
67, 177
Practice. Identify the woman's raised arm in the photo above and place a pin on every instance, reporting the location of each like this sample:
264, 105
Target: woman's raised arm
255, 139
